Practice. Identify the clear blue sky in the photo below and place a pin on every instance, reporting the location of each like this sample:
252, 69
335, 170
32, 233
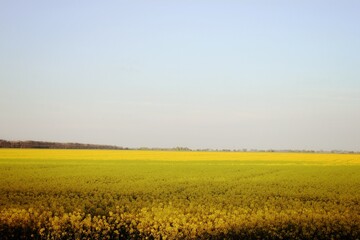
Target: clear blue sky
200, 74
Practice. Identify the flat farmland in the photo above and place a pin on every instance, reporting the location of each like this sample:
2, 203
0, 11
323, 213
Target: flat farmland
118, 194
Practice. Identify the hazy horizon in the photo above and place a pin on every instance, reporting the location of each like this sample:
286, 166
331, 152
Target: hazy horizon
204, 74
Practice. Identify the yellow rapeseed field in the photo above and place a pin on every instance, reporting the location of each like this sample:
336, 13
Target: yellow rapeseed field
266, 157
118, 194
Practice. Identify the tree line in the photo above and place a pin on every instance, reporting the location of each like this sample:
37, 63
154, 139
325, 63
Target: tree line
57, 145
54, 145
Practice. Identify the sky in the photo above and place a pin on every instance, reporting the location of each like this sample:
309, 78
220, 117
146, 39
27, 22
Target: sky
198, 74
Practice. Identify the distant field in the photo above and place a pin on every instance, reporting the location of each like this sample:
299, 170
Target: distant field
117, 194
